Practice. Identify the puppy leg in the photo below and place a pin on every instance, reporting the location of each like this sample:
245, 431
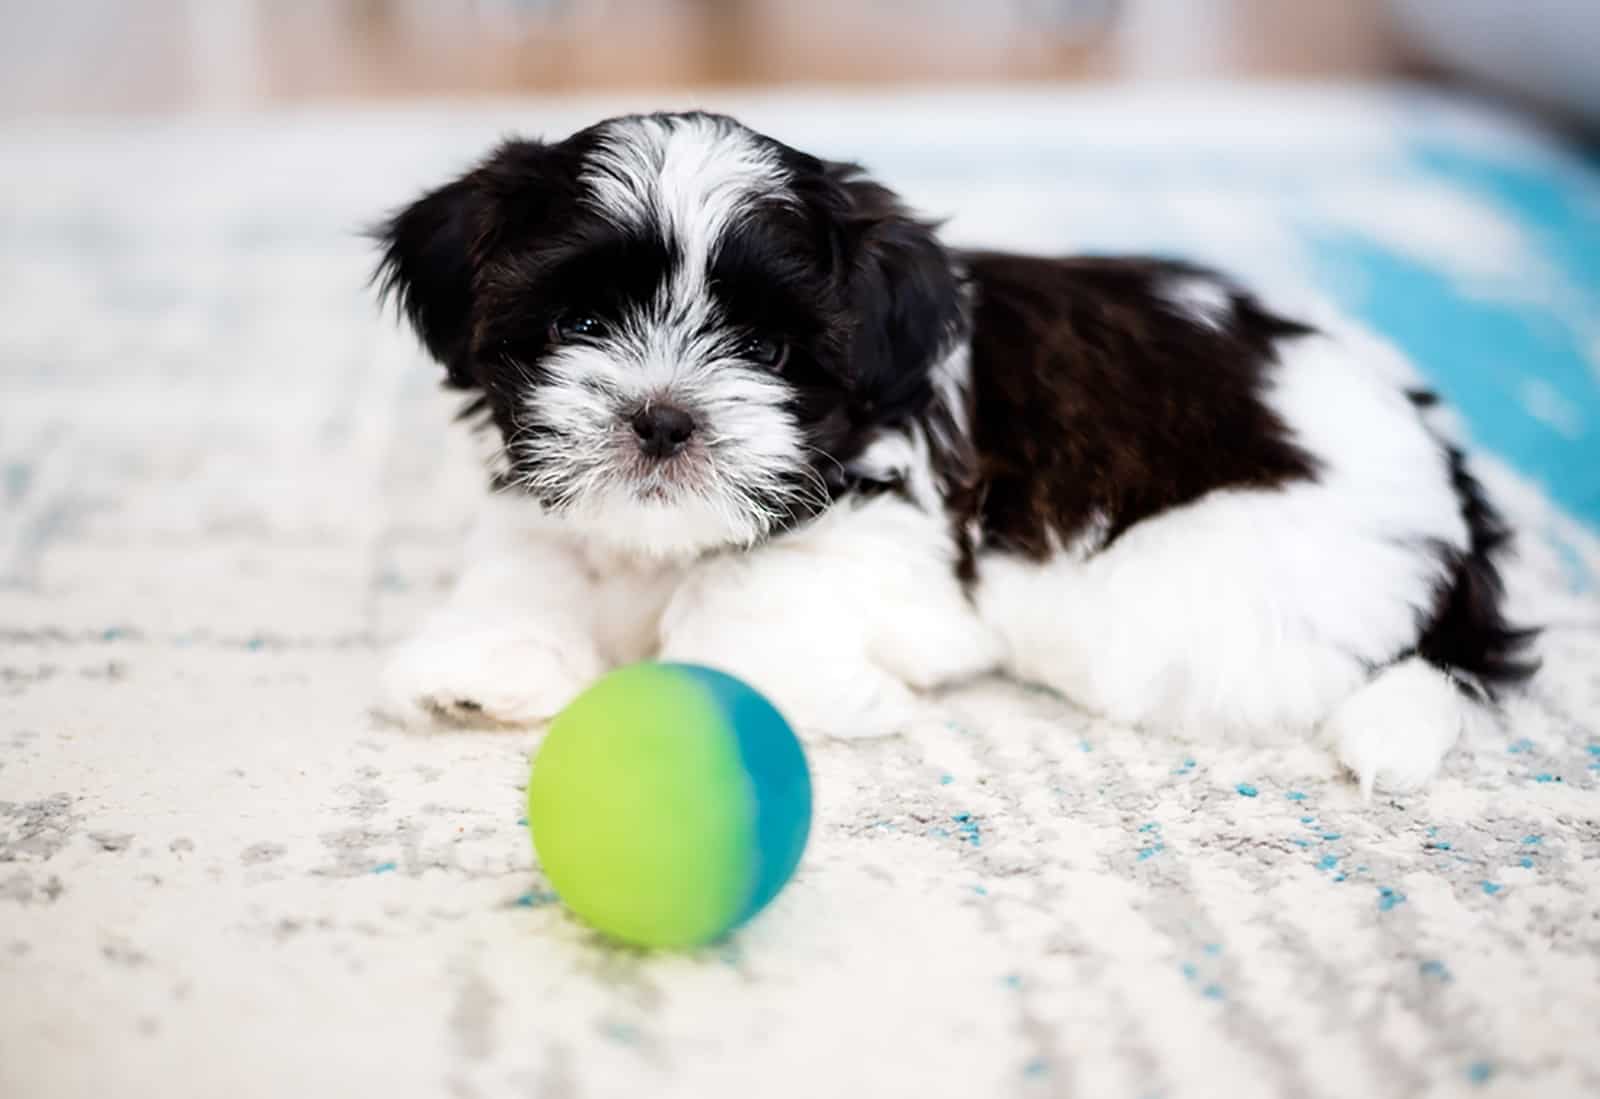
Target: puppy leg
1254, 614
837, 623
512, 644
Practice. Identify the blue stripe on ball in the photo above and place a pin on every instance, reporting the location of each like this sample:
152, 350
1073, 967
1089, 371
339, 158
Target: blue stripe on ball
781, 782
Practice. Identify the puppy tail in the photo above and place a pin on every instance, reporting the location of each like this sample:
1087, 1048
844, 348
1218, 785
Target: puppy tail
1394, 731
1467, 634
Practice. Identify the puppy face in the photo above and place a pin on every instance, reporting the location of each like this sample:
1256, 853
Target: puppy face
684, 332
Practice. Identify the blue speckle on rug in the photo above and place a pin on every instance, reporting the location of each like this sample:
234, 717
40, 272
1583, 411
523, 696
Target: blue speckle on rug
1526, 863
1388, 898
1546, 776
385, 868
1519, 747
17, 477
1491, 887
1036, 1067
1245, 790
1295, 795
946, 780
1213, 992
625, 1033
1151, 851
1532, 839
1327, 862
1480, 1072
1437, 970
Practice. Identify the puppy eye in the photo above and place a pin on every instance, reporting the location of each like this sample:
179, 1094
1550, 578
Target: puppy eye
576, 326
764, 350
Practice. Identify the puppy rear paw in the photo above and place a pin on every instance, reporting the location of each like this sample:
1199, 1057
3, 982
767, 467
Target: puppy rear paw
1394, 732
485, 679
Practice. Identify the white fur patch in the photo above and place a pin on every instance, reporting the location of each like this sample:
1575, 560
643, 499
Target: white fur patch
1204, 299
1252, 611
690, 177
837, 621
902, 456
906, 454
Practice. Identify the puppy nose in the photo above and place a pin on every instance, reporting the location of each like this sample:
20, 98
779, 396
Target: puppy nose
662, 430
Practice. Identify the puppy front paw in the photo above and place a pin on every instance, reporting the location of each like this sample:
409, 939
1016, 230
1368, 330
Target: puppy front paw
873, 704
844, 701
487, 678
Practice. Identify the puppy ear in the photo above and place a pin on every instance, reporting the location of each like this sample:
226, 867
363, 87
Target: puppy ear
434, 248
903, 288
428, 265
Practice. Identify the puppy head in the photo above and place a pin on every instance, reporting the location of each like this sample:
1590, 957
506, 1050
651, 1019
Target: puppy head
685, 332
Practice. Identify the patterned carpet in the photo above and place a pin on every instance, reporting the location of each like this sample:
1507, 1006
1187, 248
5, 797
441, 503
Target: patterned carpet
226, 483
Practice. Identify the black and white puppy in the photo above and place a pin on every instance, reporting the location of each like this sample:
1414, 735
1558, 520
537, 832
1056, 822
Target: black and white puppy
752, 413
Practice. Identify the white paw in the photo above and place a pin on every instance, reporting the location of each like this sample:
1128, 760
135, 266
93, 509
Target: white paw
820, 697
1395, 732
485, 678
876, 705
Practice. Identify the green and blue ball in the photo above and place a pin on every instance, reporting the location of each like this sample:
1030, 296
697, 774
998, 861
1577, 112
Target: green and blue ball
669, 803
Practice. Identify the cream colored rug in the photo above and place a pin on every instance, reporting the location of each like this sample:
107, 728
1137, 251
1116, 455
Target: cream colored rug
225, 482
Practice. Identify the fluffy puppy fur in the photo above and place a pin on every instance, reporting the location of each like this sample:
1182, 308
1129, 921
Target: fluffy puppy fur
751, 412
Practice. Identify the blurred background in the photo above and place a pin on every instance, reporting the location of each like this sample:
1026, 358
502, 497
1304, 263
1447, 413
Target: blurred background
145, 56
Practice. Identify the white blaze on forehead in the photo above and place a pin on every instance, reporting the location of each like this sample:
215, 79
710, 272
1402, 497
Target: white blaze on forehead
691, 177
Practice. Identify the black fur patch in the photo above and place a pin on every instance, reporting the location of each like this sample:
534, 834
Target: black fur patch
1467, 631
1098, 401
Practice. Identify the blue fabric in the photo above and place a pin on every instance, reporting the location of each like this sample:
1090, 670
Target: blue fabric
1521, 370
